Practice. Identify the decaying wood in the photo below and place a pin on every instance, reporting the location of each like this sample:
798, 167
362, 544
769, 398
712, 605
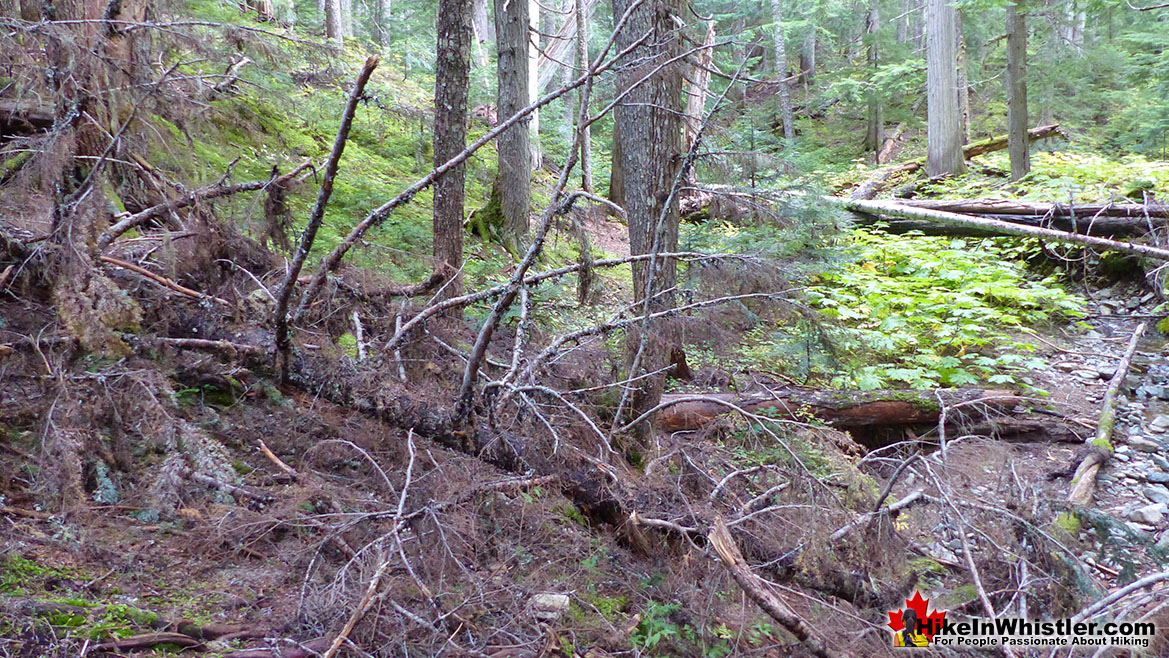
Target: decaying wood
842, 409
24, 117
724, 545
892, 209
147, 640
1107, 227
1100, 446
165, 282
870, 188
1084, 212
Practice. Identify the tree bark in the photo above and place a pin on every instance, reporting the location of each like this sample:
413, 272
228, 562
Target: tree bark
582, 62
537, 158
334, 25
944, 137
1018, 146
785, 99
511, 20
696, 94
450, 139
385, 16
808, 58
617, 169
484, 31
963, 79
650, 136
875, 134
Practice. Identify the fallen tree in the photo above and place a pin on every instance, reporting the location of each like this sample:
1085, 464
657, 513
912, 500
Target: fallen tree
870, 188
1098, 226
999, 227
845, 410
1085, 212
1100, 445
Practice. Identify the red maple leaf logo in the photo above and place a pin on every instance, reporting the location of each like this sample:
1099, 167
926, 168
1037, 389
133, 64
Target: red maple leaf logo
931, 621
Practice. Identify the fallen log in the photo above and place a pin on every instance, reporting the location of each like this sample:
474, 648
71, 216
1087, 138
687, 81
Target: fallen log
24, 117
1100, 445
1098, 226
1084, 212
870, 188
889, 208
845, 410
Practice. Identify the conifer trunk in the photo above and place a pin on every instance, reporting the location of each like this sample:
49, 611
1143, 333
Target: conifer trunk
511, 20
944, 148
785, 98
1018, 145
450, 138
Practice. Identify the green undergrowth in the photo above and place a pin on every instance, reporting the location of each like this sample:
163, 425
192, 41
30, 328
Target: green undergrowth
1060, 177
917, 311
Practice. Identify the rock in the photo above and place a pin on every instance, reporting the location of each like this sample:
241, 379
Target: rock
549, 606
1157, 477
1089, 375
1161, 422
1150, 514
1120, 456
1156, 493
1106, 372
1163, 542
1143, 444
1160, 461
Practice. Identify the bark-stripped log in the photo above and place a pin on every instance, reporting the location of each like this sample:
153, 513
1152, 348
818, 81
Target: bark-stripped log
892, 209
1100, 445
842, 409
1083, 212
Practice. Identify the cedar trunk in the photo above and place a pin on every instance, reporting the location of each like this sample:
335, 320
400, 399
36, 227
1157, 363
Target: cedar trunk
450, 138
650, 135
944, 149
511, 21
1018, 146
785, 98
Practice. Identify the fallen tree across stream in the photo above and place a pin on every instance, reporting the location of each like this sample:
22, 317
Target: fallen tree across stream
996, 226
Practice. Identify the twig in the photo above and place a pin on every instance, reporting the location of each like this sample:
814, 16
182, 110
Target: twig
871, 516
277, 461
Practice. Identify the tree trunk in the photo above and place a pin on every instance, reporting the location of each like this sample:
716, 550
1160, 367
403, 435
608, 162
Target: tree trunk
650, 135
537, 159
875, 134
347, 18
904, 21
1018, 146
1085, 213
808, 58
511, 20
484, 31
582, 63
785, 99
944, 134
697, 92
453, 52
385, 16
963, 82
617, 169
334, 28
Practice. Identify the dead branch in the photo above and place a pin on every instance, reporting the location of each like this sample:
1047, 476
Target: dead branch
165, 282
724, 545
146, 641
1100, 446
283, 340
869, 517
215, 191
278, 462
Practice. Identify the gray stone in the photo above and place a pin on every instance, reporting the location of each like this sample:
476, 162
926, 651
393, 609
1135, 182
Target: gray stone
1150, 514
1120, 456
1143, 444
1156, 493
549, 606
1156, 477
1160, 422
1160, 461
1086, 374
